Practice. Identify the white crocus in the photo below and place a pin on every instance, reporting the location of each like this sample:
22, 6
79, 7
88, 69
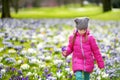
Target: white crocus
58, 61
39, 79
42, 65
67, 69
34, 36
40, 46
3, 71
26, 36
29, 74
34, 41
1, 49
32, 51
36, 75
41, 36
25, 67
48, 58
41, 57
1, 65
118, 49
33, 61
51, 78
104, 75
106, 41
11, 51
19, 62
69, 57
23, 52
59, 74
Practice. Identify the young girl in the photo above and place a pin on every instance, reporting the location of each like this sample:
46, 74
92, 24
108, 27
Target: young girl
85, 50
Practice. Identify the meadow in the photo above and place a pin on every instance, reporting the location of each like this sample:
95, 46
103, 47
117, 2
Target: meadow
31, 49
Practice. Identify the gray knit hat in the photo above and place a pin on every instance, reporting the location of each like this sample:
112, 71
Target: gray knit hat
81, 23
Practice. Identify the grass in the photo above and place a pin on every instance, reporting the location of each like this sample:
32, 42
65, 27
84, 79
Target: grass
93, 12
111, 15
56, 12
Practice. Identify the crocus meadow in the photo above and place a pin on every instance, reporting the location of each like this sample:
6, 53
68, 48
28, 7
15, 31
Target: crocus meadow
32, 49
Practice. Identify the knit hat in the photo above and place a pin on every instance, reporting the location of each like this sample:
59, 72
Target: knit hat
81, 23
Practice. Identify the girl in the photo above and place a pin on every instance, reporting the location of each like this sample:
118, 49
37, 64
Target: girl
84, 48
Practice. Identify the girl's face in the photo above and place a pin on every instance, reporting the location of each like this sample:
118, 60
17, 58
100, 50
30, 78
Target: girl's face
83, 31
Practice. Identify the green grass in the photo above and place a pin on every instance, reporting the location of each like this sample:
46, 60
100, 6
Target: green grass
111, 15
93, 12
56, 12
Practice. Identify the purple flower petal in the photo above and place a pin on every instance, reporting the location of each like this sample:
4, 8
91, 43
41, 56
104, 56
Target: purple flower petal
63, 48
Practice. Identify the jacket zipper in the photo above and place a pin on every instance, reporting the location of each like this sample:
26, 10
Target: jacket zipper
82, 52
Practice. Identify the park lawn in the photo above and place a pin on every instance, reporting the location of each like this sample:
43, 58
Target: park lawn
56, 12
65, 12
111, 15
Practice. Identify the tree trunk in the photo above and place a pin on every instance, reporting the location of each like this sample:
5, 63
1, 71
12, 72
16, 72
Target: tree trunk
6, 9
106, 5
15, 4
81, 2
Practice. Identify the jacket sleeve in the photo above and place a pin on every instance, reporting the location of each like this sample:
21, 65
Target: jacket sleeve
96, 52
69, 47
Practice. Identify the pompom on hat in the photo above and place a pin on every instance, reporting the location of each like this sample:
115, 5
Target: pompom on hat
82, 23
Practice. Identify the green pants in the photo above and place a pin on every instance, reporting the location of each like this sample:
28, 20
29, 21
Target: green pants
80, 75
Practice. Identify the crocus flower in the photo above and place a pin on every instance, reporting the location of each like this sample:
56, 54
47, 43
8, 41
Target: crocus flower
3, 71
1, 49
26, 78
10, 60
46, 70
0, 76
20, 72
13, 69
59, 74
25, 67
63, 48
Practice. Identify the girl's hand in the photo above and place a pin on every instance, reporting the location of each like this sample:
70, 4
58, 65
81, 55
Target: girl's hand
64, 53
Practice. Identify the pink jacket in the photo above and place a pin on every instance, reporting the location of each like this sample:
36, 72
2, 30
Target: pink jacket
84, 53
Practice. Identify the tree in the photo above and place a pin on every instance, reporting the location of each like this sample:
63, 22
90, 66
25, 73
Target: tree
116, 3
6, 9
106, 5
6, 4
15, 5
81, 2
36, 3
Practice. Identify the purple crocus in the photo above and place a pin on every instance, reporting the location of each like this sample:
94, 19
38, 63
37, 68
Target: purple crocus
26, 78
18, 47
0, 68
68, 60
13, 69
63, 48
59, 70
8, 69
32, 44
10, 79
22, 41
20, 72
48, 75
23, 78
46, 70
0, 76
59, 65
